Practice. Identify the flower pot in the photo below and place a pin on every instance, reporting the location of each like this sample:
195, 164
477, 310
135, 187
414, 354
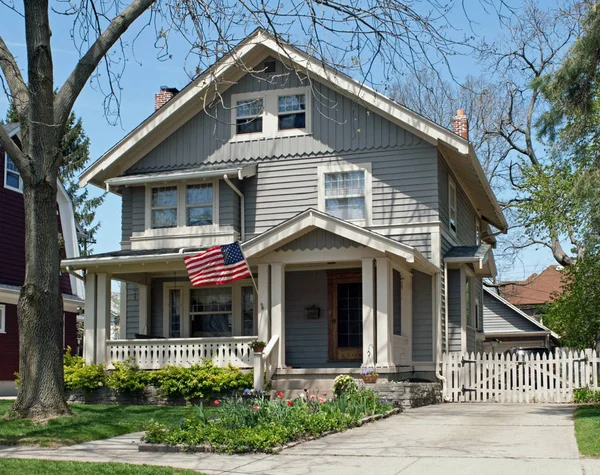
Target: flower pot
369, 378
259, 349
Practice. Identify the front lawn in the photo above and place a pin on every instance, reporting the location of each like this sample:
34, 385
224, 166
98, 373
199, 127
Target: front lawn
587, 430
33, 466
255, 423
88, 422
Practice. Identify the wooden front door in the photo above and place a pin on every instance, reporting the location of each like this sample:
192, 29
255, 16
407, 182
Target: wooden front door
345, 316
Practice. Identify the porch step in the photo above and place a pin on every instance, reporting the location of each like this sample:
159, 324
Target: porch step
299, 384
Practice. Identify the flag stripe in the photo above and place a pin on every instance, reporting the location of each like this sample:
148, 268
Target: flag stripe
224, 270
217, 266
222, 280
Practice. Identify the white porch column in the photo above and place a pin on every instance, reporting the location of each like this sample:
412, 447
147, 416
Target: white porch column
278, 309
123, 311
263, 303
368, 311
103, 315
143, 312
89, 323
384, 313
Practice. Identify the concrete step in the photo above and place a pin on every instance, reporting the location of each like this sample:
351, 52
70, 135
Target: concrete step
281, 384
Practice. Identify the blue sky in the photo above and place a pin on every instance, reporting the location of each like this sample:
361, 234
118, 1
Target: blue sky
145, 74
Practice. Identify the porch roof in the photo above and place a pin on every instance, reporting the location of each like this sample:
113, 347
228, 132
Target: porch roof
481, 256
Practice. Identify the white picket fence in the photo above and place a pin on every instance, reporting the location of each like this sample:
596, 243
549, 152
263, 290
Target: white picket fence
490, 377
158, 353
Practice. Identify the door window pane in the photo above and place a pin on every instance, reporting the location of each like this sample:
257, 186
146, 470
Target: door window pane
175, 312
349, 315
248, 311
210, 311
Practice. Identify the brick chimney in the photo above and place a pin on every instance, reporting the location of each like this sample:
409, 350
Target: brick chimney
165, 95
460, 124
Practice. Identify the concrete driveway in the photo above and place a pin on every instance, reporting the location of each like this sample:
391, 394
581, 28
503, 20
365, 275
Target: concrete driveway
447, 439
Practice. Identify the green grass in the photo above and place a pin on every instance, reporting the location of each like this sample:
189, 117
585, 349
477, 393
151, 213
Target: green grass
41, 467
587, 430
88, 422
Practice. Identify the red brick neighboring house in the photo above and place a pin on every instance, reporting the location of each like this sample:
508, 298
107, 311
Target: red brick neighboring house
531, 294
12, 265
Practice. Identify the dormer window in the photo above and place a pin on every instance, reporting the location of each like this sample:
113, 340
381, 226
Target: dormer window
292, 112
12, 177
249, 116
164, 207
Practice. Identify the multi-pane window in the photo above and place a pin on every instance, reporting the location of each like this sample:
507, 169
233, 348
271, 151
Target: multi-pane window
199, 205
12, 177
397, 302
175, 313
164, 207
210, 311
248, 311
345, 195
291, 112
249, 116
452, 206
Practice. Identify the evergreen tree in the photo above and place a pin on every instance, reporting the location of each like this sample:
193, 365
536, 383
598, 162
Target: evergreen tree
75, 153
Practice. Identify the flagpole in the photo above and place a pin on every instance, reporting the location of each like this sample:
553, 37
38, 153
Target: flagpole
250, 271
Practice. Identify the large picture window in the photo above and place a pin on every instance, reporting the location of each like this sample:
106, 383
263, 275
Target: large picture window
211, 311
12, 177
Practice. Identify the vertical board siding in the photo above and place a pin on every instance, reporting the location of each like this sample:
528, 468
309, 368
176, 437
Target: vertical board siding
306, 340
132, 319
454, 312
318, 239
422, 324
500, 318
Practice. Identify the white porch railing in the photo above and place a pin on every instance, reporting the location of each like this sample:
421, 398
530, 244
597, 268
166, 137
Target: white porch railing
157, 353
265, 363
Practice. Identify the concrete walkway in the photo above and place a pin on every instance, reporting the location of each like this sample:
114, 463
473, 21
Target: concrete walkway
450, 439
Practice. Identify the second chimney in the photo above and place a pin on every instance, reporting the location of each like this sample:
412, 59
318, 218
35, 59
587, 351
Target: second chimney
165, 95
460, 124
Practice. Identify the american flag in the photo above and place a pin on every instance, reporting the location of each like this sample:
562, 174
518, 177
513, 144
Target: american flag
217, 266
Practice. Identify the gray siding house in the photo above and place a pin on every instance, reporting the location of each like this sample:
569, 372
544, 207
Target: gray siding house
366, 226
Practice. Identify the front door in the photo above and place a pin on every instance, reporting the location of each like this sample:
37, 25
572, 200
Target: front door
345, 316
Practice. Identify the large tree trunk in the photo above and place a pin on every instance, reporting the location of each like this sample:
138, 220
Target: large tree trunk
40, 312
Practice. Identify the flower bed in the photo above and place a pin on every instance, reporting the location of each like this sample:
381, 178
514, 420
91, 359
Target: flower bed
254, 423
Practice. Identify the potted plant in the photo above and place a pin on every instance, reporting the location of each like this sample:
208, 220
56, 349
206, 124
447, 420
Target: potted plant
369, 376
258, 346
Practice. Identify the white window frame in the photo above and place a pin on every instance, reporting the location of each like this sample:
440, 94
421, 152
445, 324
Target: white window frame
344, 168
182, 207
2, 318
152, 208
6, 172
186, 321
452, 211
271, 114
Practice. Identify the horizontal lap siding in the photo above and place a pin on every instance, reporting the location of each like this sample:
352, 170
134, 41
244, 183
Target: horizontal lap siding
306, 340
133, 215
471, 340
9, 345
422, 324
499, 317
132, 317
454, 312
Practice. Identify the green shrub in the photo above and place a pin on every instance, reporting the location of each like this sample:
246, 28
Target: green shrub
200, 381
344, 383
259, 424
127, 377
586, 395
78, 375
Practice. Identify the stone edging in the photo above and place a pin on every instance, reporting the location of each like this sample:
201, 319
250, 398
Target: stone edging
166, 448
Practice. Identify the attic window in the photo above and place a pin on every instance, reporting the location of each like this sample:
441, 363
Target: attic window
249, 116
269, 66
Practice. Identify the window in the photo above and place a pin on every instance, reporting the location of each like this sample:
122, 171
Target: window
452, 206
469, 301
164, 207
2, 319
397, 301
210, 311
199, 205
291, 112
248, 311
345, 195
12, 177
477, 318
249, 114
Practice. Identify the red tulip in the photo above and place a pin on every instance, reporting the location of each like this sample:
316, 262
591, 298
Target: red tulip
280, 394
216, 402
289, 403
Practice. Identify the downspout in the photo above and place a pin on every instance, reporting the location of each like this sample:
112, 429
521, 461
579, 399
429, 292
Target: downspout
242, 206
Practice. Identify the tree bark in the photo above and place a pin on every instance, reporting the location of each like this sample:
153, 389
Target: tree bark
40, 310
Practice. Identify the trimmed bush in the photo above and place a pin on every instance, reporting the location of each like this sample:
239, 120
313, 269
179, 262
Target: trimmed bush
127, 377
344, 383
78, 375
255, 423
585, 395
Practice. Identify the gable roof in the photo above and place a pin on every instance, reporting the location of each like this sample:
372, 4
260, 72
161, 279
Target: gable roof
514, 312
537, 289
192, 99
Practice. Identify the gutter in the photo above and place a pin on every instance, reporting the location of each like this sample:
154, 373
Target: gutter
242, 204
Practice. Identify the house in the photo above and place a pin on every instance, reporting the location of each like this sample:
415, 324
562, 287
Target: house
506, 326
12, 265
533, 293
367, 227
